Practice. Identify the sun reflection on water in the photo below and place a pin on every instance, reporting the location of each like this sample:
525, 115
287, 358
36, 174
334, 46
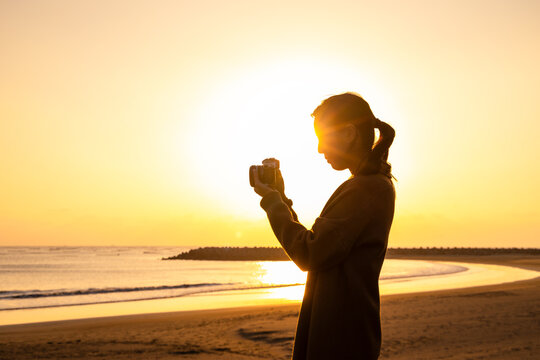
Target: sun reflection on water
277, 273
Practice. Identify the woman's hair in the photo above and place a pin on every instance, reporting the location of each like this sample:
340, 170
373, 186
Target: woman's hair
352, 108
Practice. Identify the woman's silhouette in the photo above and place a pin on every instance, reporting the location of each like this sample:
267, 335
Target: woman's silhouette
344, 250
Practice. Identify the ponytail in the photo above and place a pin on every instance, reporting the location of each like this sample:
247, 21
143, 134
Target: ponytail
378, 156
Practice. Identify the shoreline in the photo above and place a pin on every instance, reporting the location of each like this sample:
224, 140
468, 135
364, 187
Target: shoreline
477, 273
491, 321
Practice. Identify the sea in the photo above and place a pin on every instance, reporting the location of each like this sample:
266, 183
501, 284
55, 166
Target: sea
47, 277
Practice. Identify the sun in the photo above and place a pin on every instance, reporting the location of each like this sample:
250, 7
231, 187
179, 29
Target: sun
264, 111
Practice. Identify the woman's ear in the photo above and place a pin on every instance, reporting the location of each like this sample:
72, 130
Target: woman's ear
349, 133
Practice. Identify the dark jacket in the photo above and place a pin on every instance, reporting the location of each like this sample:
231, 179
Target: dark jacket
343, 254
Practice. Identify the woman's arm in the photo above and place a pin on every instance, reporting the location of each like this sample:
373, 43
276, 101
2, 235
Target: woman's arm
289, 203
331, 237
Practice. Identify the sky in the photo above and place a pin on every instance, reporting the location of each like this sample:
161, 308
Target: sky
135, 123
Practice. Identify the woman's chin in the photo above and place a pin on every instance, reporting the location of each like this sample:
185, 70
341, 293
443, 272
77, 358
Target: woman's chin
337, 167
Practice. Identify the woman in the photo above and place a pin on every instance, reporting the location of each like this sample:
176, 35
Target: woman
344, 251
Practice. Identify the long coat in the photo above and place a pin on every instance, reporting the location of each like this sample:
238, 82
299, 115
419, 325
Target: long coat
343, 254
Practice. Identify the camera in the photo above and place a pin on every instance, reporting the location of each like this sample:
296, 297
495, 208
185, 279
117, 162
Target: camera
267, 172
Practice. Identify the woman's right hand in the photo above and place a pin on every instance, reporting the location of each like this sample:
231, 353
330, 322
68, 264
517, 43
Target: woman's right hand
280, 187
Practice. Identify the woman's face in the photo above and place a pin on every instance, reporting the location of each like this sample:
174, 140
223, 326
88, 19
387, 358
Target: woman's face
335, 143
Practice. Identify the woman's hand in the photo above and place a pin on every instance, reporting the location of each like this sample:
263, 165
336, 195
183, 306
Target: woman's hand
261, 188
280, 185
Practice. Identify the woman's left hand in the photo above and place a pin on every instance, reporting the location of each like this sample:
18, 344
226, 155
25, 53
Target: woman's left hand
260, 187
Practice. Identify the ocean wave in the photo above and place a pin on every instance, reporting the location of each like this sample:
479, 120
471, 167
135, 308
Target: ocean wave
245, 287
29, 294
209, 287
441, 270
49, 282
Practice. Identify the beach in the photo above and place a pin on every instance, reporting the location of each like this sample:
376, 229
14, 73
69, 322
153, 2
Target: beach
499, 321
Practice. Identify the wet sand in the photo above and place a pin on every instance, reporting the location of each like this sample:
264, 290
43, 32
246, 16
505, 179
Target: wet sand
485, 322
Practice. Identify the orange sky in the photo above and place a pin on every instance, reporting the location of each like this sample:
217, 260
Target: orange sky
134, 123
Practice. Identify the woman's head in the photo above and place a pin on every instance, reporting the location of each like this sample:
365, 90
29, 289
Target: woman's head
344, 125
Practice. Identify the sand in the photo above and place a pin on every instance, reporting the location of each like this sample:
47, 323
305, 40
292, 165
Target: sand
486, 322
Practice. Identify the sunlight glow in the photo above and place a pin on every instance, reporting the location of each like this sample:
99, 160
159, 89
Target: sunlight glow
264, 111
